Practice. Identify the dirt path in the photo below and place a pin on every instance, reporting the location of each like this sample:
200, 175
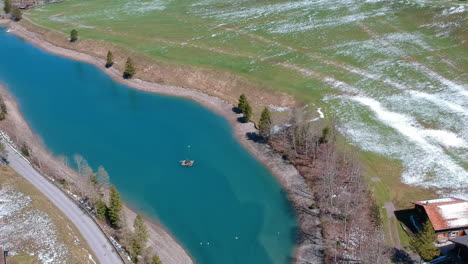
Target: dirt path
392, 223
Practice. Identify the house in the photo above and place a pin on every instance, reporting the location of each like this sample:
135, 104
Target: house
26, 5
448, 216
461, 247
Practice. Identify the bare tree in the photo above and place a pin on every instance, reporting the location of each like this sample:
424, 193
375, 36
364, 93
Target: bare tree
104, 182
63, 160
78, 162
86, 174
103, 177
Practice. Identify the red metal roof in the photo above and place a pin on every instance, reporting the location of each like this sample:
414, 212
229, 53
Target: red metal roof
446, 213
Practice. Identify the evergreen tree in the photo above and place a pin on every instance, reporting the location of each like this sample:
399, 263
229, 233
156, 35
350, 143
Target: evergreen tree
93, 179
141, 232
101, 210
3, 106
3, 152
7, 6
109, 59
247, 112
16, 14
264, 125
25, 150
324, 137
140, 237
156, 260
423, 242
73, 35
115, 206
129, 69
242, 102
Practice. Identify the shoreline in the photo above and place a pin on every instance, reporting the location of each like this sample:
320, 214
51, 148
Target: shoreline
169, 249
306, 248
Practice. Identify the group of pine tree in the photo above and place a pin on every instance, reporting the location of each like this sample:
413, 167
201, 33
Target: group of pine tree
264, 124
108, 206
129, 70
423, 241
14, 11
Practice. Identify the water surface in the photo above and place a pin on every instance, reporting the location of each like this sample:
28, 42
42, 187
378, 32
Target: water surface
139, 138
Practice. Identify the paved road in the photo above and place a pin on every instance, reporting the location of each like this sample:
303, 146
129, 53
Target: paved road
102, 248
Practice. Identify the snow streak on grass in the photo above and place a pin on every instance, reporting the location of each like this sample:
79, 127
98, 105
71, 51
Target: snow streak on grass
423, 151
26, 229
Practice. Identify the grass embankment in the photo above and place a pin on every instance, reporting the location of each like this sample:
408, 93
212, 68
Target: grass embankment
40, 208
260, 49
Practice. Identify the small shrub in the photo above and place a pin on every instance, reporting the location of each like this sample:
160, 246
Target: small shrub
73, 35
109, 59
324, 137
101, 210
3, 107
7, 6
129, 69
25, 150
16, 14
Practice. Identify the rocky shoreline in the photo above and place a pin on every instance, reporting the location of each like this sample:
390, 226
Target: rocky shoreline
309, 245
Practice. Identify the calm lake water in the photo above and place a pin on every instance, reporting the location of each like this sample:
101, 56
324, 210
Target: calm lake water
139, 138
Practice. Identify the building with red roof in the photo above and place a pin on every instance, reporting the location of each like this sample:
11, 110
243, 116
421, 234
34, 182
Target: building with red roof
448, 216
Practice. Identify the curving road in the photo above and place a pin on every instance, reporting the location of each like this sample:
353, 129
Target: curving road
97, 241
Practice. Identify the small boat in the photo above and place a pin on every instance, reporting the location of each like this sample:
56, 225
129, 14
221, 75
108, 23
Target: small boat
188, 163
8, 31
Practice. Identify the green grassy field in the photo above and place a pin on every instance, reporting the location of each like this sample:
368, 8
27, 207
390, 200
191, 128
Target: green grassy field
393, 72
257, 39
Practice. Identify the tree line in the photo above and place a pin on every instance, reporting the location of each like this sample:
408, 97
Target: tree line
265, 122
129, 70
14, 12
106, 201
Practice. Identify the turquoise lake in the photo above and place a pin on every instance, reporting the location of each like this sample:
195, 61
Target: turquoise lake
139, 138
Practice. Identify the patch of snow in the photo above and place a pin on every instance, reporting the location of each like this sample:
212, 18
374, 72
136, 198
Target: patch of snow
278, 108
461, 89
278, 128
139, 6
454, 10
23, 225
91, 258
441, 200
456, 214
286, 26
425, 163
446, 138
440, 102
321, 115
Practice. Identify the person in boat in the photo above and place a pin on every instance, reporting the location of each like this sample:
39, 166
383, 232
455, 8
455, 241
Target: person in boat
187, 162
